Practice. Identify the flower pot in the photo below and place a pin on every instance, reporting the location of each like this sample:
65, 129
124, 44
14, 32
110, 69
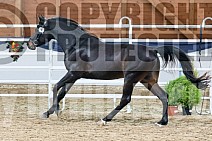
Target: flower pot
186, 110
172, 110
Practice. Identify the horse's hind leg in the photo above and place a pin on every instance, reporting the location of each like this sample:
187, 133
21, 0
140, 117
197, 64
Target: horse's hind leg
129, 82
126, 98
161, 94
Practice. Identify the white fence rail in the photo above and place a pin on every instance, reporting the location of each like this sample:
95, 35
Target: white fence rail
50, 67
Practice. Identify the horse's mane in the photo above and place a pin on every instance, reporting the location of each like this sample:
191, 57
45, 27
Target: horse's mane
73, 22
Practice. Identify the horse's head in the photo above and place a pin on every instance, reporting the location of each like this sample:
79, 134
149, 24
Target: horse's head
56, 28
40, 36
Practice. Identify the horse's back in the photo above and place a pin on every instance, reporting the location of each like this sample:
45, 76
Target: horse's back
111, 61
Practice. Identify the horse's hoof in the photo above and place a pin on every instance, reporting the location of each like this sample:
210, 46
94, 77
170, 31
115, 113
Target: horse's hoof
101, 122
159, 125
45, 115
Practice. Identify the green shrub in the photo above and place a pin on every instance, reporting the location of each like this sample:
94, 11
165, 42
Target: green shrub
183, 92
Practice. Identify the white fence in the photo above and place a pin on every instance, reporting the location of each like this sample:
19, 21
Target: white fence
50, 66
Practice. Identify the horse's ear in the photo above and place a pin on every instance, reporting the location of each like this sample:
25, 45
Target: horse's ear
41, 19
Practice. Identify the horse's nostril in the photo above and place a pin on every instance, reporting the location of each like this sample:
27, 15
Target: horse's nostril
31, 45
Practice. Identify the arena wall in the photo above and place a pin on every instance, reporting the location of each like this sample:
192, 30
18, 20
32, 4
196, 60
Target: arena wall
109, 12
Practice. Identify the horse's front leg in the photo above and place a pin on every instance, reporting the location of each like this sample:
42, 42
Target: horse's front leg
65, 83
62, 94
55, 106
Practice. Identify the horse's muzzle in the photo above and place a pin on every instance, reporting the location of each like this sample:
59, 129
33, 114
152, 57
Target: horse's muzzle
31, 45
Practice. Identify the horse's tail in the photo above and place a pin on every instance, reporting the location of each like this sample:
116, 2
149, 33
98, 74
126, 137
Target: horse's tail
170, 54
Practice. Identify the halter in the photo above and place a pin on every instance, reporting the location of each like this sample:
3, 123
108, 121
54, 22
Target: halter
41, 30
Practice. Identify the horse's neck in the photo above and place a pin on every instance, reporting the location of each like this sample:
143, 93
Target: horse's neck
74, 38
72, 42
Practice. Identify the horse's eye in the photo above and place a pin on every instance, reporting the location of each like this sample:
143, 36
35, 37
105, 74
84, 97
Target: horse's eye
41, 29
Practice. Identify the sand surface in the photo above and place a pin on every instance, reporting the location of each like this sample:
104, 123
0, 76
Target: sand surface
20, 120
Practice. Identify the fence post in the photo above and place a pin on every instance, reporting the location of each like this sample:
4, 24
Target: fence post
130, 42
130, 27
202, 26
50, 96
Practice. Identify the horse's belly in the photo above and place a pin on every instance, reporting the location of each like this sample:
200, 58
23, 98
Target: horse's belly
103, 75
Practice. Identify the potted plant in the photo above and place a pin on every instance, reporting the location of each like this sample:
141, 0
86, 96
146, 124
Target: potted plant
172, 110
184, 92
172, 100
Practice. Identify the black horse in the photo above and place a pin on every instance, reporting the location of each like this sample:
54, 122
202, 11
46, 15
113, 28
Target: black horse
87, 57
